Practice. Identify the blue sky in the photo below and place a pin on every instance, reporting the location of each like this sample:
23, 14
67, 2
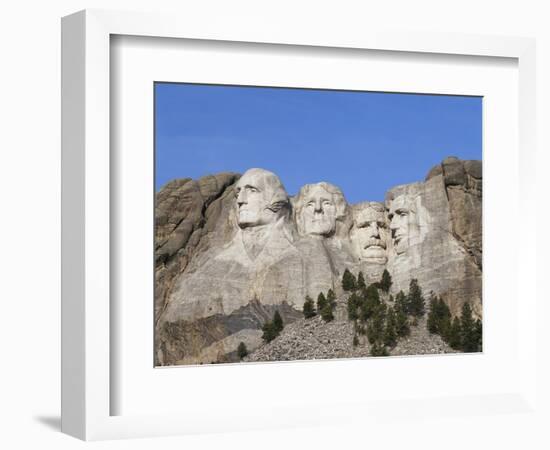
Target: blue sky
363, 142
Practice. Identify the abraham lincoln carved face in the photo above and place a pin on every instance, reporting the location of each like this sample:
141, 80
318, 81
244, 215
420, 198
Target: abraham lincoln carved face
403, 223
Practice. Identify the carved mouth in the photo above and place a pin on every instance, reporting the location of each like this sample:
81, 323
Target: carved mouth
320, 223
245, 214
375, 243
398, 237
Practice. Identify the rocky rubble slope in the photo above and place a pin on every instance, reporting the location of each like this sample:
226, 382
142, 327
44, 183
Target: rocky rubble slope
308, 339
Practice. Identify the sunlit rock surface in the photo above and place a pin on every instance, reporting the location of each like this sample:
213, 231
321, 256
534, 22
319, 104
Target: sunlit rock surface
231, 250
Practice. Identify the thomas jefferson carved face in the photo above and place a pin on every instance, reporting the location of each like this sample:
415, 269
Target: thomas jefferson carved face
370, 232
318, 208
403, 222
260, 197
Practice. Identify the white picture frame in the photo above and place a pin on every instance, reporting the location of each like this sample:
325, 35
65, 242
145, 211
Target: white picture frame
87, 325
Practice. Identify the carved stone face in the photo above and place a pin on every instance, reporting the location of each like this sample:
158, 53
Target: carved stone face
370, 232
403, 223
260, 198
319, 212
318, 208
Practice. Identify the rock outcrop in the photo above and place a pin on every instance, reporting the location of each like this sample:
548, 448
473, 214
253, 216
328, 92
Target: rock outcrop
436, 226
232, 250
190, 218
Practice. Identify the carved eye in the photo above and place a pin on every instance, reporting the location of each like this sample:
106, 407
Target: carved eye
252, 189
327, 203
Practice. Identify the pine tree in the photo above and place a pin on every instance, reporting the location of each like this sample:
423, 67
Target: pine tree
277, 322
439, 317
401, 302
386, 281
242, 351
468, 330
433, 319
321, 301
391, 299
360, 329
269, 332
444, 314
353, 306
401, 319
355, 340
309, 308
348, 281
479, 335
331, 298
326, 313
361, 281
390, 332
402, 327
272, 328
372, 293
455, 333
378, 349
415, 300
375, 327
370, 303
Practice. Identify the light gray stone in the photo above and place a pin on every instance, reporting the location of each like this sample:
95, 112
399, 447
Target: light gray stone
321, 210
370, 238
257, 262
426, 221
232, 250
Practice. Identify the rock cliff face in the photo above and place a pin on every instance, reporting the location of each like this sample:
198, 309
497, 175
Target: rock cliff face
437, 233
230, 250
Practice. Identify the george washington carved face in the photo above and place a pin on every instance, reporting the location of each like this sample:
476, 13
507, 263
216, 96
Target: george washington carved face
260, 197
370, 233
318, 207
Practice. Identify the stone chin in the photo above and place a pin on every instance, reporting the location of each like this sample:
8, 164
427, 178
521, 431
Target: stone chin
400, 246
374, 254
248, 218
320, 228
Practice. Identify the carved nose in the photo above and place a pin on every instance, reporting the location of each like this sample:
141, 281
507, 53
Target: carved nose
241, 198
318, 207
374, 232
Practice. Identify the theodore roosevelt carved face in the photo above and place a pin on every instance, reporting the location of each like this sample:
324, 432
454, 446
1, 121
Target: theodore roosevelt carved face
260, 198
318, 207
370, 232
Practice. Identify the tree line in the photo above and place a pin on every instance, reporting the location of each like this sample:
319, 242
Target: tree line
461, 333
384, 324
325, 306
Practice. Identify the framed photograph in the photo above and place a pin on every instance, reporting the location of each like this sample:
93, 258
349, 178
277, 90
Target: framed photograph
258, 210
